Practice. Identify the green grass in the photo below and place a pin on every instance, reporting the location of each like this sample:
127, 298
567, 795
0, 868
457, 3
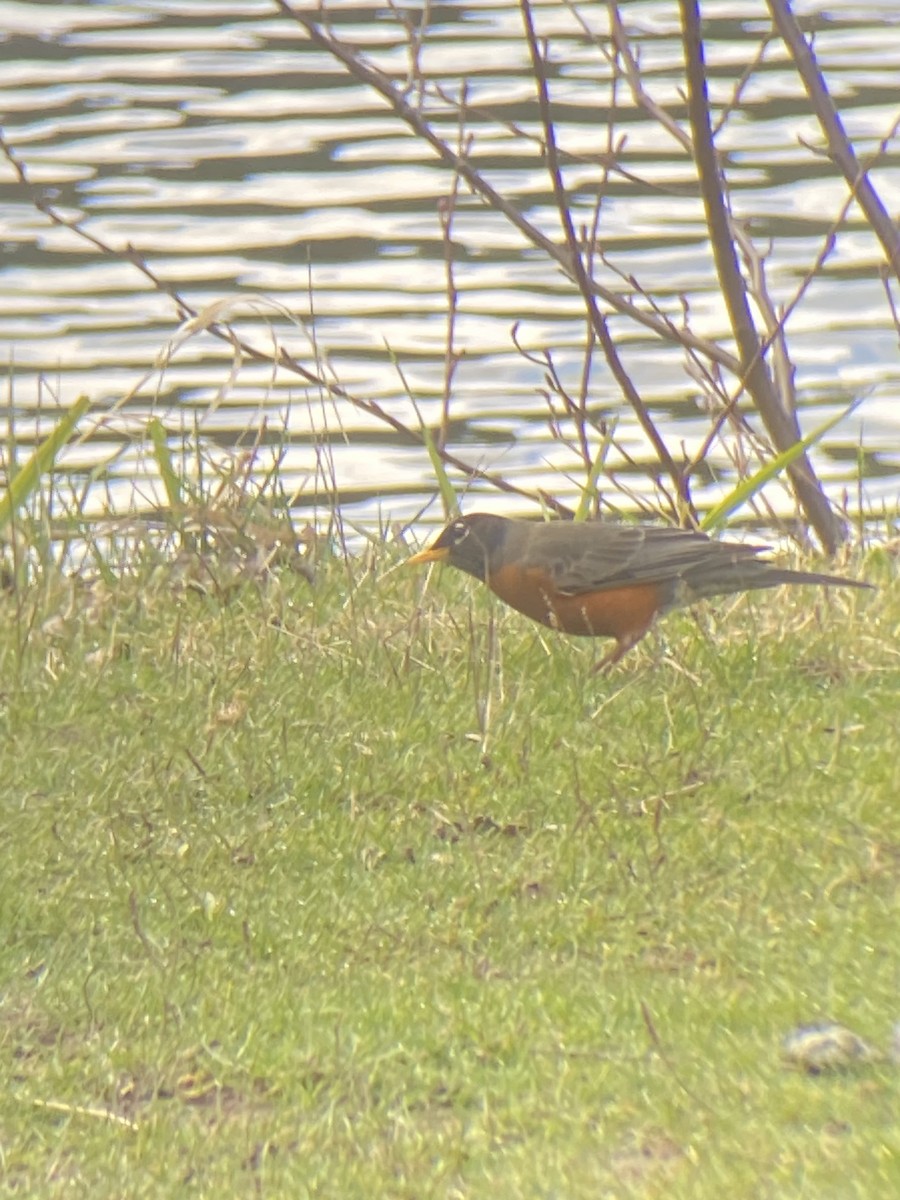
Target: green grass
373, 890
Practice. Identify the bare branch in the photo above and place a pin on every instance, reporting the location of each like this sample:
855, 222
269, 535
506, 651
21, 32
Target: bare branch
779, 419
840, 150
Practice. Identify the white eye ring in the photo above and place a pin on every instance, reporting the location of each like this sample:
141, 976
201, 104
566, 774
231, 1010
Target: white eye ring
460, 531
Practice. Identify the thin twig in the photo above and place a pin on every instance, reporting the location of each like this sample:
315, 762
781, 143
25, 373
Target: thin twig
446, 212
194, 320
597, 319
364, 72
632, 72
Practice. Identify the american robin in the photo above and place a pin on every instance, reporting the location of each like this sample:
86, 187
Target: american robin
595, 579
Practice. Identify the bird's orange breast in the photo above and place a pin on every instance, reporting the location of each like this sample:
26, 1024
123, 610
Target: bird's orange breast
621, 612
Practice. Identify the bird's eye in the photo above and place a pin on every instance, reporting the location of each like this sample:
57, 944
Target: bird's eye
460, 531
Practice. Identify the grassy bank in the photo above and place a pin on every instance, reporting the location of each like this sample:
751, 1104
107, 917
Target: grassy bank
370, 889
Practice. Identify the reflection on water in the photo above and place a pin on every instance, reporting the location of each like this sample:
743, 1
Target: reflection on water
241, 162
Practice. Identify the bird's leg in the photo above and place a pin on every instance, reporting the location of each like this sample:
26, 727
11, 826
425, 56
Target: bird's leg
622, 646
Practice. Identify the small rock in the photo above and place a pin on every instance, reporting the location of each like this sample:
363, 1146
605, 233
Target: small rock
826, 1046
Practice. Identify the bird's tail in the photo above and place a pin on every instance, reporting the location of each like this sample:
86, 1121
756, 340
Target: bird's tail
746, 575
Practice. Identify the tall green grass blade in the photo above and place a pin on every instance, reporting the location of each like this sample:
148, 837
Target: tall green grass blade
27, 479
448, 495
445, 487
717, 516
589, 491
165, 466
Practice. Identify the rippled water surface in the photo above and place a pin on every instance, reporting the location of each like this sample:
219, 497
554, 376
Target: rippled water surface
243, 164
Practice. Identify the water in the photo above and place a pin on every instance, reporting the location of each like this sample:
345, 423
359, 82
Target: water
243, 164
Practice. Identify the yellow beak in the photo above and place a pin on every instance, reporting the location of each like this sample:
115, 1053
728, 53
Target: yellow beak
432, 554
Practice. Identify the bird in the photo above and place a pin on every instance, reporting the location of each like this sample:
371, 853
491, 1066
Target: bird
604, 579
